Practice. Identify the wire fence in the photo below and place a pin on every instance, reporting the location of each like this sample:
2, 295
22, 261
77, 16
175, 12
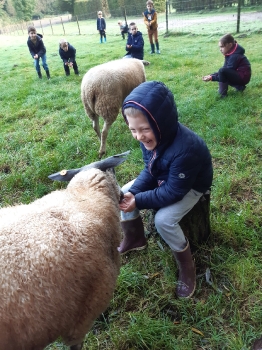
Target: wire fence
226, 19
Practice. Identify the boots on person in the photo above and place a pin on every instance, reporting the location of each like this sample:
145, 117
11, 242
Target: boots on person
152, 49
134, 236
157, 48
223, 89
186, 284
47, 74
39, 75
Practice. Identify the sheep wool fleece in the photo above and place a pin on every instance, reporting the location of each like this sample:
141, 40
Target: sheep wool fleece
59, 262
104, 88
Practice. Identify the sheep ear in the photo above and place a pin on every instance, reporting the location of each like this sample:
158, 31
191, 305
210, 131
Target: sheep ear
111, 162
108, 163
64, 175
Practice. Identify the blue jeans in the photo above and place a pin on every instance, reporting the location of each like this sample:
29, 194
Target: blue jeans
167, 218
44, 64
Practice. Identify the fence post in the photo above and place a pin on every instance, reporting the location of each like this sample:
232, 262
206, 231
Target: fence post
78, 25
166, 17
62, 25
51, 26
41, 27
238, 15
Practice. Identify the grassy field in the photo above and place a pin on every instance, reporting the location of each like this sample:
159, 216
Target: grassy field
44, 129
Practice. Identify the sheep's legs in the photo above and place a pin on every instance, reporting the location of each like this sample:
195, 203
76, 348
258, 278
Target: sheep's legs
104, 134
96, 127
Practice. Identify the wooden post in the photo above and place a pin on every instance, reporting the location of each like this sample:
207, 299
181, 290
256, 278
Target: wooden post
51, 26
238, 15
62, 25
166, 17
195, 224
41, 27
78, 25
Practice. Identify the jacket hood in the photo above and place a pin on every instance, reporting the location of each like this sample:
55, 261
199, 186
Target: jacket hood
157, 103
237, 49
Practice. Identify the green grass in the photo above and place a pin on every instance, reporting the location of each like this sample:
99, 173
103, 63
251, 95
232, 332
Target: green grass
44, 129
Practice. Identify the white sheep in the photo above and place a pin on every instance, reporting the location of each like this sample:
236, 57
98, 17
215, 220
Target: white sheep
59, 260
104, 88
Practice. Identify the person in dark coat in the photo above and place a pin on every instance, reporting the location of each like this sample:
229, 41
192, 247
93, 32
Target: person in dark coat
101, 26
177, 172
135, 43
67, 53
123, 28
37, 50
236, 71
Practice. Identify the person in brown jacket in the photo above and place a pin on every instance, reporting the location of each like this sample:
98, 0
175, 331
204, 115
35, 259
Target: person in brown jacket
150, 20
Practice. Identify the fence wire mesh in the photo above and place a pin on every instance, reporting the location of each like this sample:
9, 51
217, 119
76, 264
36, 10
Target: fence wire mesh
185, 19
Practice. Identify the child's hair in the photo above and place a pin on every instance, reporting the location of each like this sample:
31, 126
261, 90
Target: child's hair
62, 41
132, 24
99, 12
150, 2
31, 29
132, 111
119, 22
227, 39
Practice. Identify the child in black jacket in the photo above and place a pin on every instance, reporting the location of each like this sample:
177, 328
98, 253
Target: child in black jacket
37, 50
236, 71
101, 26
67, 53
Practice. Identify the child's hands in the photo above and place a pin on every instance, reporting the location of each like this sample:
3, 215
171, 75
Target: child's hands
129, 46
36, 56
128, 203
207, 78
71, 64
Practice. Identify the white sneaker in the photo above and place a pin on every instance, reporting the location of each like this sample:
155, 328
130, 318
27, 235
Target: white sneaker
158, 51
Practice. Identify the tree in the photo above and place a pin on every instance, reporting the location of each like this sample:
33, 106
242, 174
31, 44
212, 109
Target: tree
24, 9
65, 5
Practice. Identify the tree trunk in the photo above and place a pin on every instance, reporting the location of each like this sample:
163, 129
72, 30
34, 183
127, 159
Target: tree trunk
195, 224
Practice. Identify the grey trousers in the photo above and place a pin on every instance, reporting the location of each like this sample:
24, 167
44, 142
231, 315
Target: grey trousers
167, 218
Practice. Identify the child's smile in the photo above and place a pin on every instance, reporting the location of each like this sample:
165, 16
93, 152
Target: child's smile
141, 130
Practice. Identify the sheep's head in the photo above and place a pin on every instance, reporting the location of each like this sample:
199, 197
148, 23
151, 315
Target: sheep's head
88, 184
106, 165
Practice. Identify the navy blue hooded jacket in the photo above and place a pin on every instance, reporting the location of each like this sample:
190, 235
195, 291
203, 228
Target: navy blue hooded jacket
180, 162
137, 42
236, 60
101, 23
38, 48
69, 55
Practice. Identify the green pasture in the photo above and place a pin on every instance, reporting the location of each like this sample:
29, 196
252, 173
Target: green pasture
43, 129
